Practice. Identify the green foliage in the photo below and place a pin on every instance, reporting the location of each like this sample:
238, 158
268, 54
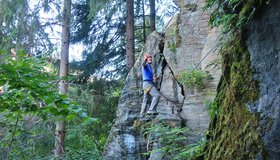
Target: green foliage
82, 142
104, 38
194, 78
172, 47
30, 87
32, 138
216, 63
100, 26
84, 139
100, 99
97, 5
233, 15
173, 141
208, 102
20, 26
213, 110
31, 93
236, 89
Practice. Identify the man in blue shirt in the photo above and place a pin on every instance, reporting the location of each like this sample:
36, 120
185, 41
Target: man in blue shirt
148, 87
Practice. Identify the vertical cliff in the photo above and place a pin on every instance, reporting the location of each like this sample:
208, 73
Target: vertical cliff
245, 115
187, 42
248, 99
264, 48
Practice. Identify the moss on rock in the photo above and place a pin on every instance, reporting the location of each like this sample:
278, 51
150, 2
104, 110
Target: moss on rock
233, 132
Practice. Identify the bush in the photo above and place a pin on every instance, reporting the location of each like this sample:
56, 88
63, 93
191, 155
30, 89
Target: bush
194, 78
173, 141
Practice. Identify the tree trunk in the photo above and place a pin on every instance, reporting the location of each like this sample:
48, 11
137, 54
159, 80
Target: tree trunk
63, 73
129, 34
144, 22
152, 15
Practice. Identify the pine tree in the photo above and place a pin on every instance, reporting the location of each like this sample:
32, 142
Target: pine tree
63, 73
130, 34
152, 15
144, 21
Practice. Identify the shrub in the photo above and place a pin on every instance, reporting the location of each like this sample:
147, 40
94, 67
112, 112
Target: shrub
194, 78
173, 141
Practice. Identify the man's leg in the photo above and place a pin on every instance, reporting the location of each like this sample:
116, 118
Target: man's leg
155, 94
144, 104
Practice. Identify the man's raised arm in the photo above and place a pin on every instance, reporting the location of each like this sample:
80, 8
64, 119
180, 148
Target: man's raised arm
144, 63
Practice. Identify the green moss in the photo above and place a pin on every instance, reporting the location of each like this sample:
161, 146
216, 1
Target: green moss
233, 132
233, 129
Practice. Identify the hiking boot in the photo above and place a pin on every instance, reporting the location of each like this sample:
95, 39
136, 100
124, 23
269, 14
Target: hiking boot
152, 113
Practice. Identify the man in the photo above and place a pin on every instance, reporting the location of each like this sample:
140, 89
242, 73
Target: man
148, 87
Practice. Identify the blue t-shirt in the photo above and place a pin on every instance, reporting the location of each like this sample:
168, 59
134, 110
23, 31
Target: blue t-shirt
147, 73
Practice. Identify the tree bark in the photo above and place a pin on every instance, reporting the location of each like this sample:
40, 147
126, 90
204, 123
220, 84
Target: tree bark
130, 34
63, 73
152, 15
144, 22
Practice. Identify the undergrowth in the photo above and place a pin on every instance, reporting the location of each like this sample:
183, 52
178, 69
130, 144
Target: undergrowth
172, 141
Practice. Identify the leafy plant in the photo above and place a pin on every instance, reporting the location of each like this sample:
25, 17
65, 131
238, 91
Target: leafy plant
173, 140
194, 78
233, 15
216, 63
31, 92
212, 108
172, 47
100, 99
31, 138
30, 89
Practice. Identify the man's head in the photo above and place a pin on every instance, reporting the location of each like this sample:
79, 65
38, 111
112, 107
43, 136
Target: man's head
148, 58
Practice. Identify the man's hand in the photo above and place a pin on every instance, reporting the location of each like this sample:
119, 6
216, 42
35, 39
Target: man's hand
145, 58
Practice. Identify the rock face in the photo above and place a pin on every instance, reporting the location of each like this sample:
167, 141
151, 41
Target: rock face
247, 125
264, 47
186, 43
124, 142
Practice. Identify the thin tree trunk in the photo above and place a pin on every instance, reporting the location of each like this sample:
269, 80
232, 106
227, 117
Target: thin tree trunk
63, 73
152, 15
130, 34
144, 22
